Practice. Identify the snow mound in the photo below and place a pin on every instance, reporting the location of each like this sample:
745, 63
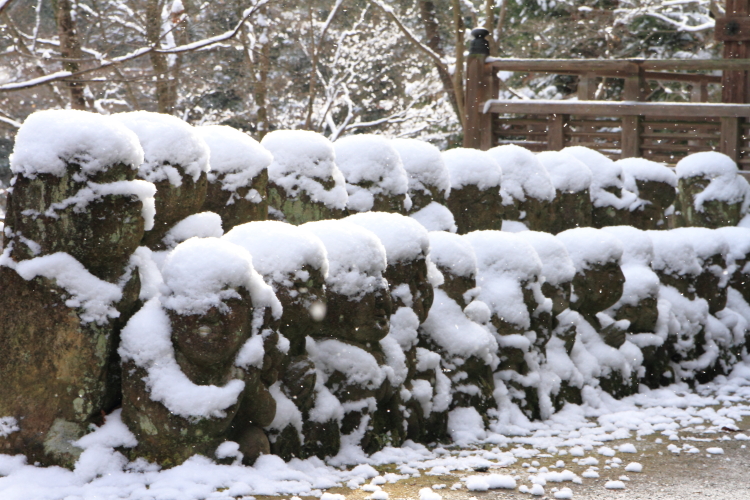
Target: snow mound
738, 240
50, 139
279, 249
567, 173
674, 253
167, 142
371, 160
404, 238
503, 253
472, 167
588, 246
358, 366
557, 267
305, 161
641, 169
521, 166
202, 225
356, 257
236, 155
453, 253
202, 273
424, 165
726, 185
606, 174
637, 245
436, 217
706, 242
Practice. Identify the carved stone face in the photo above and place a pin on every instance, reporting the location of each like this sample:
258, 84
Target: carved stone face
570, 210
300, 300
414, 275
475, 210
101, 234
206, 344
361, 321
716, 213
597, 288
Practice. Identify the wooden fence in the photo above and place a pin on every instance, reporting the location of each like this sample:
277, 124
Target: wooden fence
660, 131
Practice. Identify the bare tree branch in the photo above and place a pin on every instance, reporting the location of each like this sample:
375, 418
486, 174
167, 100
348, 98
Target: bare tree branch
190, 47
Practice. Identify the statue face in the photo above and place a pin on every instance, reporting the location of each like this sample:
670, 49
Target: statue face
210, 341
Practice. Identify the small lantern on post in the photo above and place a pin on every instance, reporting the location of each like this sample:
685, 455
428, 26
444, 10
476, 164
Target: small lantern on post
481, 85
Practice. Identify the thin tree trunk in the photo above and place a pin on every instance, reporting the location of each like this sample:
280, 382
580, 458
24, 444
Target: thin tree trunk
434, 42
458, 73
70, 50
158, 61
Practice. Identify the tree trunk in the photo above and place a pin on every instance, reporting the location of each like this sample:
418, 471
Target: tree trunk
159, 63
434, 42
70, 50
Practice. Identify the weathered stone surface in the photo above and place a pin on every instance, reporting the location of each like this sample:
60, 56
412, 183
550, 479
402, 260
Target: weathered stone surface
297, 209
608, 215
476, 209
597, 288
536, 213
102, 235
714, 213
59, 374
238, 207
570, 210
174, 203
660, 196
361, 321
414, 275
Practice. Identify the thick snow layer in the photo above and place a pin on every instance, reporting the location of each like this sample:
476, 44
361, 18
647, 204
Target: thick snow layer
423, 164
557, 267
706, 242
233, 151
640, 282
587, 246
358, 366
302, 162
404, 238
605, 174
356, 257
453, 253
502, 253
202, 273
465, 425
738, 239
521, 166
436, 217
202, 225
726, 185
235, 155
674, 253
50, 139
567, 173
372, 160
641, 169
95, 298
637, 245
448, 327
472, 167
146, 340
167, 142
279, 249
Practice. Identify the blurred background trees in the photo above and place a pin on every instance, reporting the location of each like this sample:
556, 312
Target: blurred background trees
334, 66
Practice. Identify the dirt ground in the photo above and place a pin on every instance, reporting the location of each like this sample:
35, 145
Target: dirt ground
665, 476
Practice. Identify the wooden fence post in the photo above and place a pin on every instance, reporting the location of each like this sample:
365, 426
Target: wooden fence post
734, 30
556, 131
631, 125
480, 87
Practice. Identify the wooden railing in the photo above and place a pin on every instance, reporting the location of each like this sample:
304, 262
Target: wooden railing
661, 131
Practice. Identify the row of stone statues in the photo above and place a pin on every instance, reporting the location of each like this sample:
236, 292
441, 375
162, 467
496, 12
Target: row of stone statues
347, 324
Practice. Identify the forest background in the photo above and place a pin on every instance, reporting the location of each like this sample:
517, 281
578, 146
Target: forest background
338, 67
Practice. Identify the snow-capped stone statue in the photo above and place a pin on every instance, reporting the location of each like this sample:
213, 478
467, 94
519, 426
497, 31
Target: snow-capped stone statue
455, 327
75, 217
176, 162
192, 357
572, 206
429, 179
475, 197
304, 183
509, 279
611, 200
238, 180
655, 186
527, 182
375, 176
293, 262
711, 193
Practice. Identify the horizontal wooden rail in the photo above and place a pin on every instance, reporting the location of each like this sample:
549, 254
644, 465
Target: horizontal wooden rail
618, 66
616, 108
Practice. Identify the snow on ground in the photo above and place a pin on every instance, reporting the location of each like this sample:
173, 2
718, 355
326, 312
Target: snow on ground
602, 437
